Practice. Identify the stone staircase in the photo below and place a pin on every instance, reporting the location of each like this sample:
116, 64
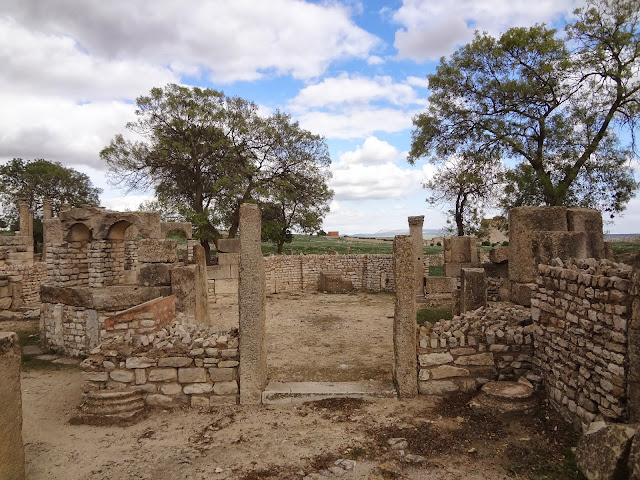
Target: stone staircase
298, 392
111, 407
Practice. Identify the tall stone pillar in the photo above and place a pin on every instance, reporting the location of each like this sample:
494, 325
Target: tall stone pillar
11, 448
47, 210
251, 302
415, 230
405, 368
26, 220
202, 300
47, 214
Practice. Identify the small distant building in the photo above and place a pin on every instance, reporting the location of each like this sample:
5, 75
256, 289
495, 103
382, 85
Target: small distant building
333, 234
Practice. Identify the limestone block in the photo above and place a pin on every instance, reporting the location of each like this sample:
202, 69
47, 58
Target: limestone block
140, 362
198, 388
228, 258
5, 303
228, 245
601, 451
479, 359
162, 374
11, 447
441, 284
431, 359
124, 376
499, 254
222, 374
590, 222
154, 274
217, 272
454, 269
524, 223
159, 400
192, 375
473, 291
96, 376
521, 293
174, 362
171, 389
228, 364
184, 285
546, 246
157, 251
437, 387
447, 371
225, 388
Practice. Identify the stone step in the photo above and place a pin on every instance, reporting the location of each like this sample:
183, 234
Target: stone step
298, 392
111, 407
107, 409
121, 419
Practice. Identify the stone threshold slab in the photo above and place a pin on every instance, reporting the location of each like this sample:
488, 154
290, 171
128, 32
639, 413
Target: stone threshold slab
298, 392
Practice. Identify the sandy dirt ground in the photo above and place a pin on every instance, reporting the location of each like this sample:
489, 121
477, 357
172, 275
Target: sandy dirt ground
311, 337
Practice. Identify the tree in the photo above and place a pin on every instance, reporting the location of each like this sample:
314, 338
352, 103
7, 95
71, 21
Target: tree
469, 184
209, 153
298, 202
545, 104
34, 181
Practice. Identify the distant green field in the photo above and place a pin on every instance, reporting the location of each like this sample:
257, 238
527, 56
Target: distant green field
320, 245
625, 251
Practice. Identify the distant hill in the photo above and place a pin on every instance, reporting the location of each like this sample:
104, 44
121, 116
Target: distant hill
426, 232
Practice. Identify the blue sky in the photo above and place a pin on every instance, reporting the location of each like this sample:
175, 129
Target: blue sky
353, 71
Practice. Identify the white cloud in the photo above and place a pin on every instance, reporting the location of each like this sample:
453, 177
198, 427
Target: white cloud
372, 152
354, 89
434, 28
59, 130
354, 122
375, 60
125, 203
239, 40
418, 82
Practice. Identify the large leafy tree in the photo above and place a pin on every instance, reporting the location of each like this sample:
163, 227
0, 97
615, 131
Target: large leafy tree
468, 184
208, 153
546, 105
34, 181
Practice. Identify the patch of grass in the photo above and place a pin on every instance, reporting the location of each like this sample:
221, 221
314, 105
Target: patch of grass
30, 363
28, 336
436, 271
433, 314
314, 245
625, 251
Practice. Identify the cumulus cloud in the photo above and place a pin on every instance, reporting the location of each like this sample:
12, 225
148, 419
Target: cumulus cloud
239, 40
434, 28
356, 122
372, 152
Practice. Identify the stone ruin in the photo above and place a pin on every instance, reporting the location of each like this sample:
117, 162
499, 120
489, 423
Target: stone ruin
118, 292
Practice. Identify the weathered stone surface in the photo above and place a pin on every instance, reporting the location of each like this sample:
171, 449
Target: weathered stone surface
252, 299
499, 254
171, 389
473, 290
446, 371
124, 376
633, 465
174, 362
96, 376
431, 359
158, 400
404, 323
229, 245
225, 388
602, 451
198, 388
154, 274
228, 363
192, 375
334, 283
417, 243
140, 362
479, 359
11, 447
157, 251
201, 402
162, 374
222, 374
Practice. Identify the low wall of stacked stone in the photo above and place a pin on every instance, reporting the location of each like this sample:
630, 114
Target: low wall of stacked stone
177, 365
24, 283
462, 354
141, 320
583, 309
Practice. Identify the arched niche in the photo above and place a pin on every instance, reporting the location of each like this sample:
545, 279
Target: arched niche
79, 232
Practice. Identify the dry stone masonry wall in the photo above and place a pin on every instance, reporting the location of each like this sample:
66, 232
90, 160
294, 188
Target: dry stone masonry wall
462, 354
583, 309
180, 364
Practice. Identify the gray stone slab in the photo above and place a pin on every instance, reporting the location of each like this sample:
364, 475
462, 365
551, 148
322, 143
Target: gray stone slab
298, 392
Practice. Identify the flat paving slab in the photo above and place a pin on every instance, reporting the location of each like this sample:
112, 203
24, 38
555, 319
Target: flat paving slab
299, 392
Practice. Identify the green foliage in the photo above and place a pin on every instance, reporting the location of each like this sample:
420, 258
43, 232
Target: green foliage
545, 104
34, 181
433, 314
436, 271
205, 154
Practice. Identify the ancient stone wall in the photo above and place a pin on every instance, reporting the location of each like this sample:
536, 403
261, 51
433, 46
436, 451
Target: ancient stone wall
21, 283
141, 320
462, 354
583, 309
11, 447
177, 365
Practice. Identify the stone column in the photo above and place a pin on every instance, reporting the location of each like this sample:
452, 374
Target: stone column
251, 301
202, 300
47, 214
26, 220
405, 368
47, 210
473, 289
415, 230
11, 448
